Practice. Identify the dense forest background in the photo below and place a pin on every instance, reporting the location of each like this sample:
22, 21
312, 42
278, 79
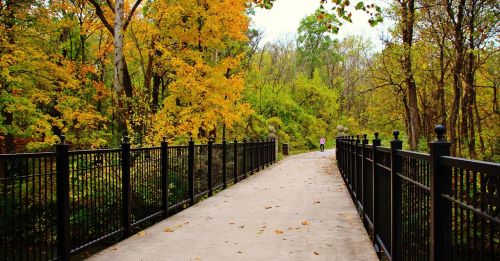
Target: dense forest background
196, 68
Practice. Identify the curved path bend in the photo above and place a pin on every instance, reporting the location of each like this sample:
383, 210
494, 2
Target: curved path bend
297, 209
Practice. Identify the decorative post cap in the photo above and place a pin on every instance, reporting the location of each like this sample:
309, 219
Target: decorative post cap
376, 135
190, 138
357, 137
125, 138
365, 136
164, 139
395, 133
62, 137
440, 130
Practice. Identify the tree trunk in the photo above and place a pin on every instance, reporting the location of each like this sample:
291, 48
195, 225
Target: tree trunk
120, 65
408, 19
458, 42
156, 92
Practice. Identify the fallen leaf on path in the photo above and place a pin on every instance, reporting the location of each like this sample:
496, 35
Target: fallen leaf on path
277, 231
290, 228
305, 223
263, 226
242, 226
316, 253
268, 207
316, 202
141, 233
231, 223
168, 229
114, 248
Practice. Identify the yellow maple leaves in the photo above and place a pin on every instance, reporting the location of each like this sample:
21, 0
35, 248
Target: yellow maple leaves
197, 37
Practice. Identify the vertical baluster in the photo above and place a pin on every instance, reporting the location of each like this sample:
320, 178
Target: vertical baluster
126, 195
164, 176
209, 171
62, 192
235, 161
191, 171
396, 196
224, 169
374, 196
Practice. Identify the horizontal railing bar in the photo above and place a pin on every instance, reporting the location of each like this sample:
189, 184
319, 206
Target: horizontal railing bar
30, 154
96, 241
145, 149
382, 245
413, 155
490, 168
369, 221
471, 208
414, 182
178, 147
201, 194
384, 167
93, 151
147, 218
176, 205
383, 149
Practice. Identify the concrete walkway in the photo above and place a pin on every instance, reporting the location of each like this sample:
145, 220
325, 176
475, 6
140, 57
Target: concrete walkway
298, 209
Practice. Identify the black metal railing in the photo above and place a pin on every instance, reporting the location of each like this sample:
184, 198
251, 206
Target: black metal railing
56, 205
418, 206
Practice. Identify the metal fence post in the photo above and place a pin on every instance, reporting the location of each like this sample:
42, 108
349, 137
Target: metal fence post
235, 161
62, 193
266, 152
164, 176
269, 152
440, 207
356, 171
191, 171
244, 158
351, 167
363, 176
396, 197
252, 147
224, 169
210, 156
275, 150
126, 195
258, 155
375, 143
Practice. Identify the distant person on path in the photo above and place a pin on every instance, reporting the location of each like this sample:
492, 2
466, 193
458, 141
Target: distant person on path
322, 144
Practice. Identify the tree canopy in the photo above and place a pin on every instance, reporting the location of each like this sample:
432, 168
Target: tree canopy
94, 70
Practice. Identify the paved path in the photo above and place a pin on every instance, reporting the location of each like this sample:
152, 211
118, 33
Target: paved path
298, 209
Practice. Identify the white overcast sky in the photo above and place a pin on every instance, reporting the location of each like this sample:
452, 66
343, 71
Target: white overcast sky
283, 20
